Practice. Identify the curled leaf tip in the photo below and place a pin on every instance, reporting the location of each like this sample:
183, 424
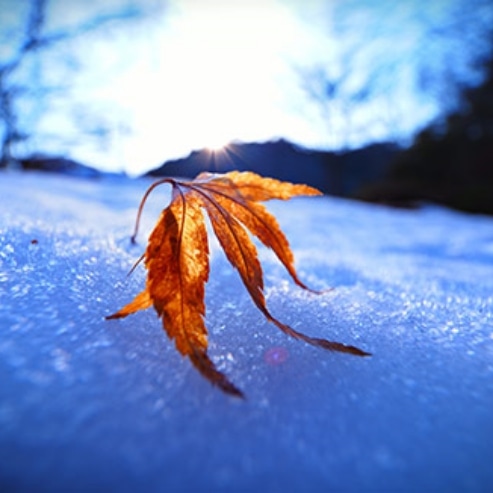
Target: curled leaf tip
207, 368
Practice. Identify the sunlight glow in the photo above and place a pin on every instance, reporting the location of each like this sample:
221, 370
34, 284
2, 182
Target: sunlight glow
219, 72
216, 147
224, 76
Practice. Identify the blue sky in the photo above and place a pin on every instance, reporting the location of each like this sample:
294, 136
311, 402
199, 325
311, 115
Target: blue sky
189, 74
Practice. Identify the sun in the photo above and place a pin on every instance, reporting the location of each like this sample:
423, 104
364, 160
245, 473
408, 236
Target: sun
217, 145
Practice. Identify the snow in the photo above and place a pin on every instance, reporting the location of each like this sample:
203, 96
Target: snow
89, 403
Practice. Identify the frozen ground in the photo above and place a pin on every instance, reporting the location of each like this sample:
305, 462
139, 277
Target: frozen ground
86, 402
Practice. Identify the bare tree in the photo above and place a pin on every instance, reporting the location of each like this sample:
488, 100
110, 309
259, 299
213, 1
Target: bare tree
389, 51
35, 40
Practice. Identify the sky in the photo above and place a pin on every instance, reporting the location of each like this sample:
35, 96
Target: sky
188, 74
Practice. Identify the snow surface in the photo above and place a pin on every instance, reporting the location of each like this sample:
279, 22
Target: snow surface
89, 403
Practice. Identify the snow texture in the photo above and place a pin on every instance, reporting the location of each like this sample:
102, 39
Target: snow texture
110, 405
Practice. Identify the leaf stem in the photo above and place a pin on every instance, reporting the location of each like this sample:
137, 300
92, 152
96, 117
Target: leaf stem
143, 201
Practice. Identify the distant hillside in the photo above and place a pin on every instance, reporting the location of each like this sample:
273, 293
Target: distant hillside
341, 174
334, 173
60, 165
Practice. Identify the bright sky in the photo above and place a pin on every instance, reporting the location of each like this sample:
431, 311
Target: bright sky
200, 73
205, 74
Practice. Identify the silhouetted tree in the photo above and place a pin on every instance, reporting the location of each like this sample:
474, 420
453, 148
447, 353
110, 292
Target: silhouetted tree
451, 162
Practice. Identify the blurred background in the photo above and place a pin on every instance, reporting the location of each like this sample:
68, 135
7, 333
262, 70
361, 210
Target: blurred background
383, 101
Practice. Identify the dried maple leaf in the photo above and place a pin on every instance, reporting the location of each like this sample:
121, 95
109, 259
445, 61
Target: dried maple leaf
177, 257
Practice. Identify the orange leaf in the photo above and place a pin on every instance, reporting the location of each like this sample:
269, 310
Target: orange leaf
140, 302
251, 186
177, 257
178, 265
